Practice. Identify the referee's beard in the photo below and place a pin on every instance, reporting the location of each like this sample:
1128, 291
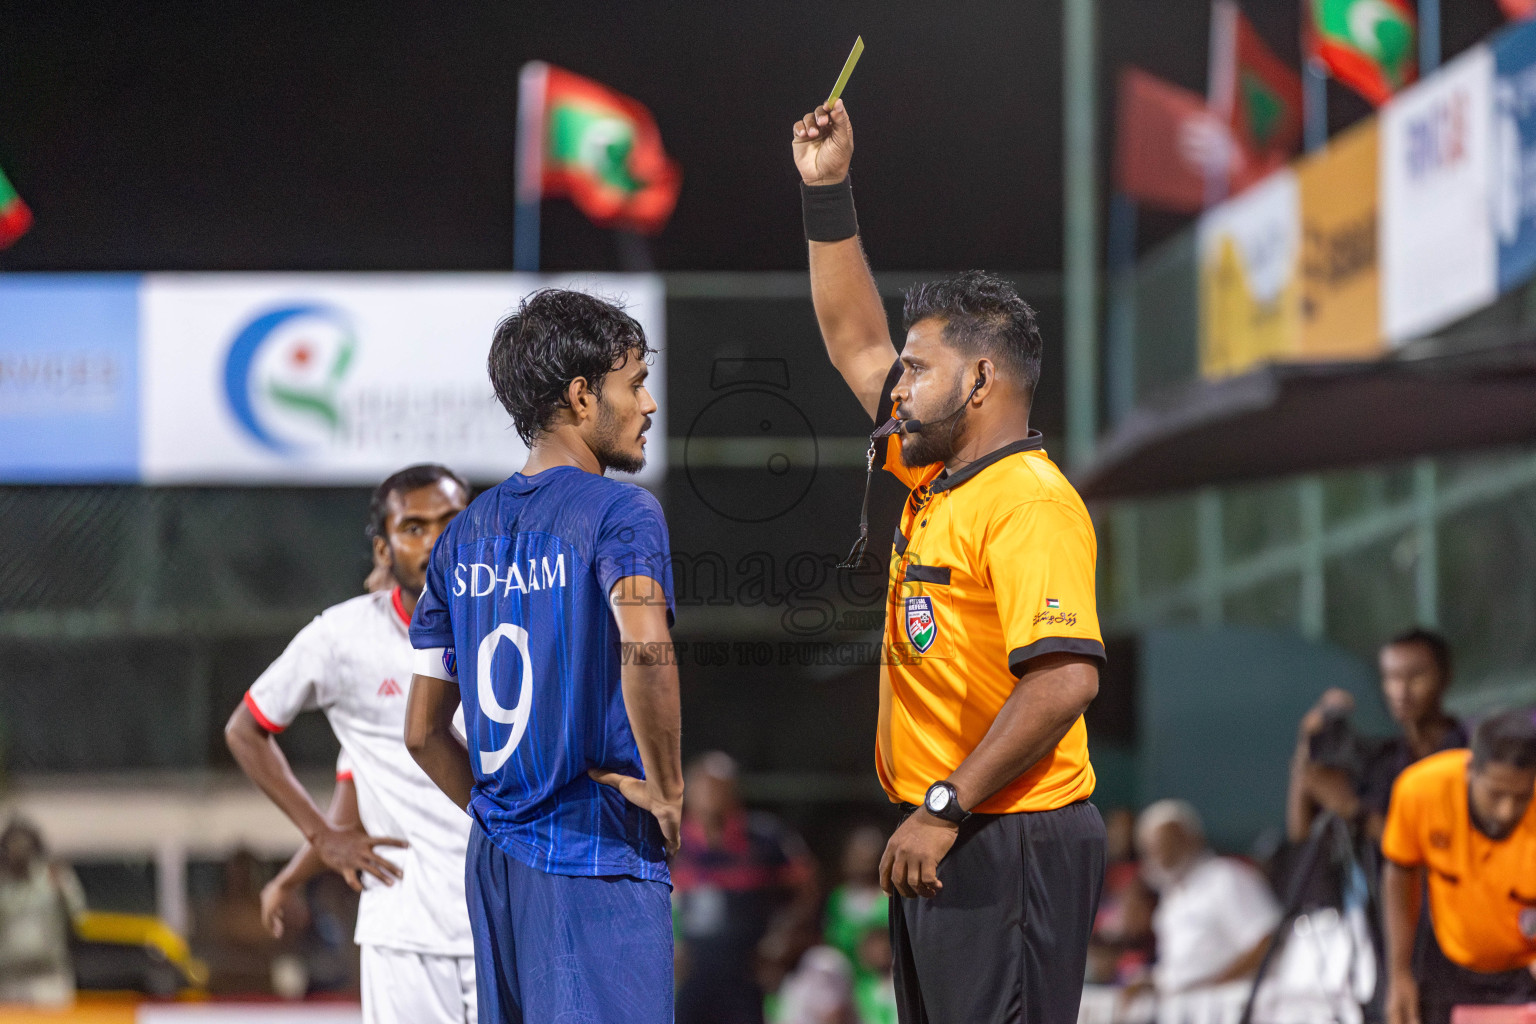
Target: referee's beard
937, 441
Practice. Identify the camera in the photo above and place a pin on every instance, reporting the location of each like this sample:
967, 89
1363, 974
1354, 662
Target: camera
1337, 745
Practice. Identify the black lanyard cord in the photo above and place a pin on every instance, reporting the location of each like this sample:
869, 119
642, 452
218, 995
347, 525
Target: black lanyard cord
856, 553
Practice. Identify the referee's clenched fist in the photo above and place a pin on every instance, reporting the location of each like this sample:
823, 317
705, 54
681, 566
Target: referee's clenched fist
824, 145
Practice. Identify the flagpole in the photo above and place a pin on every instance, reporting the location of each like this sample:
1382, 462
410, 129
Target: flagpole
1120, 331
529, 166
1221, 94
1080, 256
1314, 105
1429, 36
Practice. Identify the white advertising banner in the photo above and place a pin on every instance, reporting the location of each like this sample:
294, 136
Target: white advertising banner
344, 378
1439, 257
262, 1013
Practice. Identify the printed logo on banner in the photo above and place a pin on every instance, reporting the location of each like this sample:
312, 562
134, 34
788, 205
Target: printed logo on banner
69, 378
1340, 283
283, 373
1514, 153
1250, 248
1438, 253
341, 378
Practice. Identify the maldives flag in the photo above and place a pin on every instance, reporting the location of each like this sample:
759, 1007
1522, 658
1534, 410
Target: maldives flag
15, 218
580, 139
1265, 98
1369, 45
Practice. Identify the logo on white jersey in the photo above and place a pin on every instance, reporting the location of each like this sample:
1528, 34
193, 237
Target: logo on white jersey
477, 579
389, 688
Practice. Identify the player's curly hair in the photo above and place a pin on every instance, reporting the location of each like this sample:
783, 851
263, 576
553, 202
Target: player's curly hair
555, 336
982, 315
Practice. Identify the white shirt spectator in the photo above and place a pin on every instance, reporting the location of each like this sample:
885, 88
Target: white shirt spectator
1218, 911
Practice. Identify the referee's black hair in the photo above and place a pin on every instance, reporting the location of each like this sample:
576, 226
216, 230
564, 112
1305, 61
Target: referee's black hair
1431, 641
410, 478
983, 315
1508, 738
555, 336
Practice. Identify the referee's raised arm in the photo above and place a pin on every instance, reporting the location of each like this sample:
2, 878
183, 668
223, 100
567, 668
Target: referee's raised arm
848, 307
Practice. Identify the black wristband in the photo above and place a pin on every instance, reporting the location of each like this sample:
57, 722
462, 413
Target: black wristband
828, 211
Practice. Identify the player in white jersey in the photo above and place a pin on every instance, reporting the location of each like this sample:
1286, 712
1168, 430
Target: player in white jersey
404, 844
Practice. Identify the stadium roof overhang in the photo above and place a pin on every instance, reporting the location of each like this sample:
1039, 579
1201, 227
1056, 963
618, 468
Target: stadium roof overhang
1301, 418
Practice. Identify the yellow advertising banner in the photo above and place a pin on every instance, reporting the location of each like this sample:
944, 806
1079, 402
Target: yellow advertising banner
1340, 282
1250, 291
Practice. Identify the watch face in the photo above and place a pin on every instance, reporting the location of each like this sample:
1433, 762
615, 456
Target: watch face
938, 799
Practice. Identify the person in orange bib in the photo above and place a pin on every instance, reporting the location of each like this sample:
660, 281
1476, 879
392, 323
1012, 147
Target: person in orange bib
991, 651
1465, 821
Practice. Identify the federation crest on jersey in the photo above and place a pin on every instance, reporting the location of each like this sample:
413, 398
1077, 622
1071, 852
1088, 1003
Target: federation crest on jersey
921, 628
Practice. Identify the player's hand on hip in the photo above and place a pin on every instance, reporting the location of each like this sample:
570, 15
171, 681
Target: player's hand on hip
273, 896
910, 865
1402, 999
668, 813
823, 145
350, 851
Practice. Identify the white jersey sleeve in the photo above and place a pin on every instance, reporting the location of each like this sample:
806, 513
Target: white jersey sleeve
293, 683
343, 767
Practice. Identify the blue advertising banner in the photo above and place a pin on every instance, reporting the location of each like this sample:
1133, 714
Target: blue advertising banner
1513, 164
69, 389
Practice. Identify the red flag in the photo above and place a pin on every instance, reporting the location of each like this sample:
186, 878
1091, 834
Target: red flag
1170, 148
1265, 97
599, 147
1518, 10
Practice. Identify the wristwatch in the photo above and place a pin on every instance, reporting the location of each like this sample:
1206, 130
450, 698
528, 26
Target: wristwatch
943, 802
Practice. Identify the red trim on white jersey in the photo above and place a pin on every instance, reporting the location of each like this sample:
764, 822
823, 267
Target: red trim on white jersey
394, 599
343, 776
261, 719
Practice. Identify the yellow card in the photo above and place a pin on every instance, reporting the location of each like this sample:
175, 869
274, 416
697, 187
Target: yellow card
842, 79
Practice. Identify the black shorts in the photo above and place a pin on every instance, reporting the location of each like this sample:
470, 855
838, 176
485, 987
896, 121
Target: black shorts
1445, 985
1006, 941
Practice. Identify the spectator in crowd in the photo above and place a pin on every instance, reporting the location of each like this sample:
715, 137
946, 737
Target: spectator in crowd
874, 985
858, 925
1214, 914
819, 990
735, 874
239, 949
1335, 770
1120, 949
38, 900
857, 904
1462, 823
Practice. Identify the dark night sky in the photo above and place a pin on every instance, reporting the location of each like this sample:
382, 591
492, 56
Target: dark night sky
283, 135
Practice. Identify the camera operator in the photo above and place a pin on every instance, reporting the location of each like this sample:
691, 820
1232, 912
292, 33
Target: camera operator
1335, 769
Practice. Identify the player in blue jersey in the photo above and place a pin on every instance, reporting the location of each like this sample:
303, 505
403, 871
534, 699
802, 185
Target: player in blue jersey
547, 611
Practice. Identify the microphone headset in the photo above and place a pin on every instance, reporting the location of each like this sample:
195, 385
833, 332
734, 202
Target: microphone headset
916, 426
886, 429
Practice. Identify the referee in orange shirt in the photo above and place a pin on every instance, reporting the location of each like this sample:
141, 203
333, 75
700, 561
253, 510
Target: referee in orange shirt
992, 647
1465, 822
